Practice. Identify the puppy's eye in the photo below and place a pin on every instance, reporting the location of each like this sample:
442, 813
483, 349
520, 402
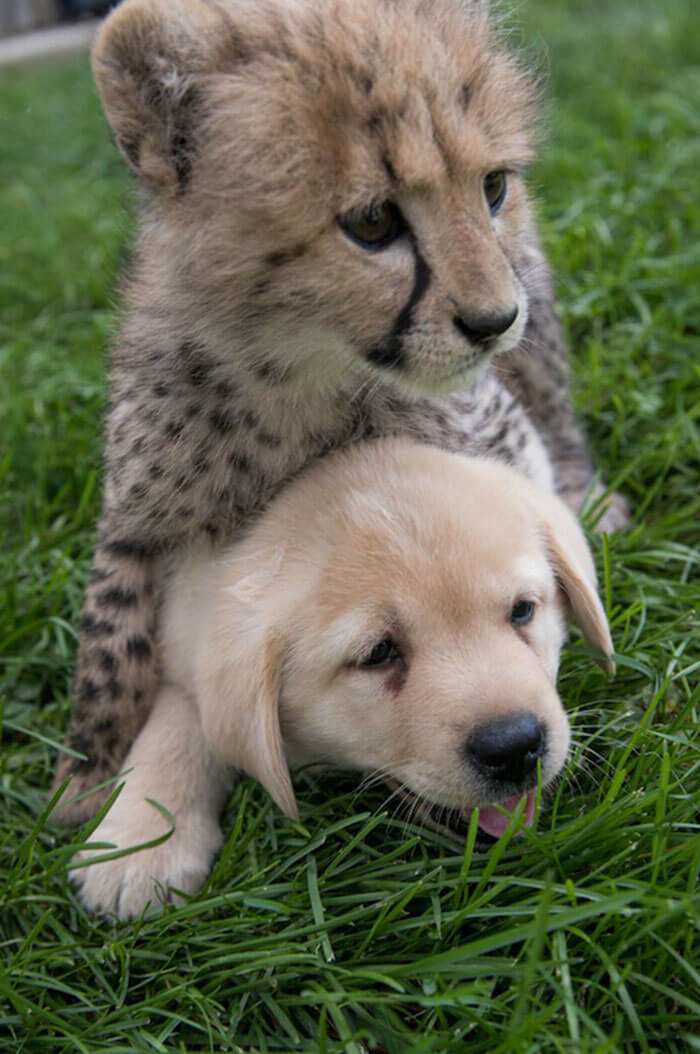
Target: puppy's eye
522, 612
382, 654
375, 227
495, 186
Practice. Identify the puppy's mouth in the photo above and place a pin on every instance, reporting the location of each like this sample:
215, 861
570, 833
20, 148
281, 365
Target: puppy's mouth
492, 821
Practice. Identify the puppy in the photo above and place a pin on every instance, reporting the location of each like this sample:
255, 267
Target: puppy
397, 610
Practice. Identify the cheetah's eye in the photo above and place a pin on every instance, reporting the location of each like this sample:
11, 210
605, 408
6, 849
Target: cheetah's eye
382, 655
522, 612
495, 186
375, 227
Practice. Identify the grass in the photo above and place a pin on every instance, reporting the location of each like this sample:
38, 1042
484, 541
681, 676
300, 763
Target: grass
350, 931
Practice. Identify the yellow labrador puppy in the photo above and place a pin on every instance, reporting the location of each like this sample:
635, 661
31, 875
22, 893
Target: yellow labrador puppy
397, 609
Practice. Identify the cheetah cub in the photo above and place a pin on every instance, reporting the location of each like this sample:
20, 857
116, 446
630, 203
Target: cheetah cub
335, 241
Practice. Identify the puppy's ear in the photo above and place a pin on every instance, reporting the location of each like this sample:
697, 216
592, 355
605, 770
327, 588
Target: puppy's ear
146, 61
573, 564
238, 686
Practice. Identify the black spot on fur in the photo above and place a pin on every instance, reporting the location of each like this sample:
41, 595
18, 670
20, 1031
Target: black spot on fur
173, 429
389, 169
268, 439
224, 389
198, 374
182, 482
106, 725
240, 461
87, 690
156, 471
201, 464
251, 420
193, 410
161, 390
138, 491
242, 510
108, 661
114, 688
99, 574
222, 420
122, 547
197, 371
95, 627
78, 741
138, 648
465, 95
118, 597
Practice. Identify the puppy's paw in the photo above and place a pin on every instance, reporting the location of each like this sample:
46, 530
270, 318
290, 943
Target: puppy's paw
147, 878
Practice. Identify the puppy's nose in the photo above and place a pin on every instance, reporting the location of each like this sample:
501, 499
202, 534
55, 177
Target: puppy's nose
508, 747
480, 329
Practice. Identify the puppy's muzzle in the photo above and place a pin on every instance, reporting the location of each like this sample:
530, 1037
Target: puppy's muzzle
506, 749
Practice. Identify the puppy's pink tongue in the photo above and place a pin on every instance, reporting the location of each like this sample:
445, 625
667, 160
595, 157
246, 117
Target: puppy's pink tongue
494, 822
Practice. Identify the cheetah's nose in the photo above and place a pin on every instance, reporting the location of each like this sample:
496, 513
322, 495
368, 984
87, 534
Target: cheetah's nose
482, 328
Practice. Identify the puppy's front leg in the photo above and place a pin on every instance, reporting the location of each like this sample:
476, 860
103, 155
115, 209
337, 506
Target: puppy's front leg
170, 764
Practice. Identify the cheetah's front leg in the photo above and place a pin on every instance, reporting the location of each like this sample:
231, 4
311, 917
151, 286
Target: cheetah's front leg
116, 674
170, 764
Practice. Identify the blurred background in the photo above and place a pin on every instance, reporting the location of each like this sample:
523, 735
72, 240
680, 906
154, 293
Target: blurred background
22, 16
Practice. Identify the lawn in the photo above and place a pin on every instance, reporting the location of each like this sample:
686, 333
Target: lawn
351, 931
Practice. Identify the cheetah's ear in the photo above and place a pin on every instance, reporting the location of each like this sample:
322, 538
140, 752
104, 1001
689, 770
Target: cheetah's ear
146, 61
238, 680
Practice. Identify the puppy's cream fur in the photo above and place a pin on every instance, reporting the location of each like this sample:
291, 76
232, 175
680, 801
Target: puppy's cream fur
263, 648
